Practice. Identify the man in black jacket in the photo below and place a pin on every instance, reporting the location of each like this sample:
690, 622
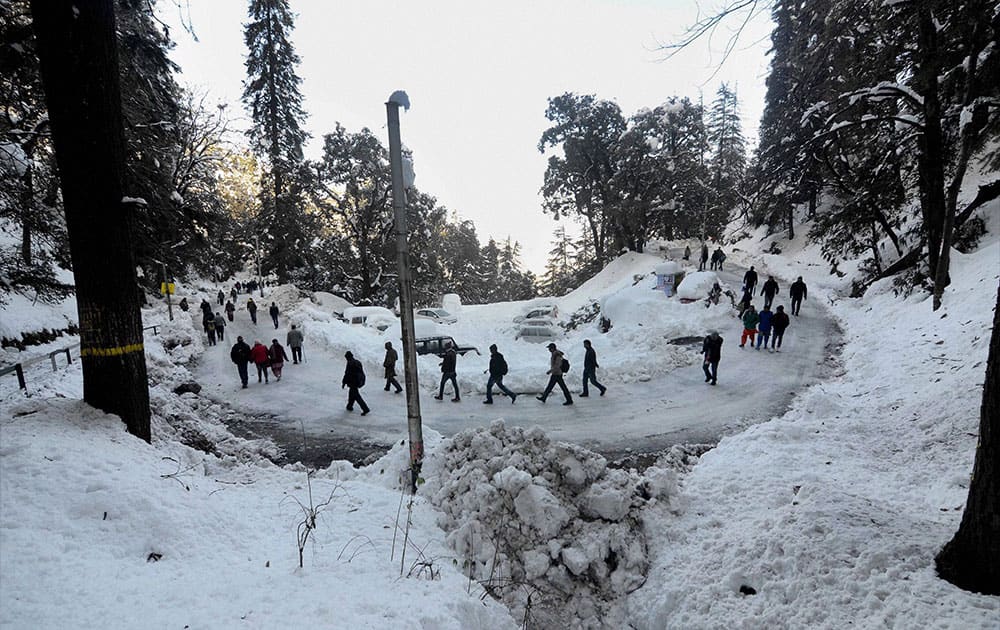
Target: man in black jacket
389, 363
498, 368
449, 372
769, 290
240, 355
750, 280
798, 293
712, 349
590, 369
354, 380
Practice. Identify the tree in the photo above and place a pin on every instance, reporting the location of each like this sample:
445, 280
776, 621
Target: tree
727, 166
271, 93
578, 184
971, 560
79, 68
561, 270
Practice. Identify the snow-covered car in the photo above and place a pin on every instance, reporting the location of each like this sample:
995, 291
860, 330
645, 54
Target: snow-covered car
438, 315
537, 330
371, 316
541, 312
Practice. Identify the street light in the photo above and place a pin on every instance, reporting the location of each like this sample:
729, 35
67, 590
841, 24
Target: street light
397, 99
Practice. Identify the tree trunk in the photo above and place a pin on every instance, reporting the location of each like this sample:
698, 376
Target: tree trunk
79, 65
930, 158
971, 560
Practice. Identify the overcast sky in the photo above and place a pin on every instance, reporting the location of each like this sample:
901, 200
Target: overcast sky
478, 75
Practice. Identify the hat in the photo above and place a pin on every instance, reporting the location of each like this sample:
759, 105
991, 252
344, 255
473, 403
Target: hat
493, 346
552, 346
348, 355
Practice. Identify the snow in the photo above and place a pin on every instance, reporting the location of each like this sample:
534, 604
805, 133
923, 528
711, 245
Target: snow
831, 511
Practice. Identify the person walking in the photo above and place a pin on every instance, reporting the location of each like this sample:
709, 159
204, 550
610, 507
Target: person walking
258, 354
354, 380
220, 327
798, 293
750, 279
687, 252
273, 311
590, 369
765, 319
704, 256
715, 259
252, 309
230, 309
240, 355
750, 319
497, 370
780, 322
210, 328
722, 259
449, 372
558, 366
712, 349
184, 304
221, 297
745, 302
237, 287
389, 363
276, 355
769, 290
294, 341
233, 293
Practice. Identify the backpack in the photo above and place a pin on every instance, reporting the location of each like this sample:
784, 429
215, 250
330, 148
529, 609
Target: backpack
565, 365
361, 375
503, 366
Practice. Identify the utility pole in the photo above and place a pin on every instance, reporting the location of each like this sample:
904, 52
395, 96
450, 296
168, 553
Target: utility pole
405, 299
256, 250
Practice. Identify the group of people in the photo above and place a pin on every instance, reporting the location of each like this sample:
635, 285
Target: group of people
354, 376
765, 327
717, 258
266, 358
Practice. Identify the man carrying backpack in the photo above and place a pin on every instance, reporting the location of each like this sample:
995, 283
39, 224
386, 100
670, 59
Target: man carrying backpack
498, 369
590, 369
711, 348
558, 366
354, 380
449, 372
389, 363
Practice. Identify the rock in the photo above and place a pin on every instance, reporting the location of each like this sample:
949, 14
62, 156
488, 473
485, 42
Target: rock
187, 388
747, 590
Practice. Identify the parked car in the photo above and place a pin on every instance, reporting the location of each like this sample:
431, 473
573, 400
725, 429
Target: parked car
438, 315
435, 345
372, 316
538, 330
539, 312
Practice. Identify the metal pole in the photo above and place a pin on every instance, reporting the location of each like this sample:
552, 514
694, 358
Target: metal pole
405, 299
260, 278
166, 285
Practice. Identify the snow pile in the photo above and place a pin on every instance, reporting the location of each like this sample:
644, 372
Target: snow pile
545, 526
101, 530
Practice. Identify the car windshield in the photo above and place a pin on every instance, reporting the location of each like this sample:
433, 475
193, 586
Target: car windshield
440, 312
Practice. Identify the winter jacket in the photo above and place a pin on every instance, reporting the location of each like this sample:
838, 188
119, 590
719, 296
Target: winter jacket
750, 279
765, 318
220, 321
240, 353
354, 374
449, 361
590, 359
294, 338
712, 347
258, 354
251, 306
798, 290
750, 319
229, 307
273, 310
276, 353
770, 288
555, 363
498, 365
389, 363
780, 321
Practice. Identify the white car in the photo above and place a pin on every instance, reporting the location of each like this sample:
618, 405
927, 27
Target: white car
538, 330
438, 315
541, 312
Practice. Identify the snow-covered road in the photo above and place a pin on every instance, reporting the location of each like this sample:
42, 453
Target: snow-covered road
635, 416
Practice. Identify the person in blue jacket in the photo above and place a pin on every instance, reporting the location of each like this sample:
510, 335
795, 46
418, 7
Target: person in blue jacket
764, 326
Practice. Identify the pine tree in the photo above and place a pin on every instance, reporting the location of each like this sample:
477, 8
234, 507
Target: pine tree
271, 93
727, 166
560, 272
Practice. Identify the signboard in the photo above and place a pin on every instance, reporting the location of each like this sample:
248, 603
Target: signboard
166, 288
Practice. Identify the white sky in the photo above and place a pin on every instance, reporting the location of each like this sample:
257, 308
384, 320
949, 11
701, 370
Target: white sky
478, 75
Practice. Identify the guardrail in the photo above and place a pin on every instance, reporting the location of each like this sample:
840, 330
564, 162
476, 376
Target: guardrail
18, 368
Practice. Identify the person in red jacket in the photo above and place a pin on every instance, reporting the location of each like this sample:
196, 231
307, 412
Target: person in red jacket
258, 354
